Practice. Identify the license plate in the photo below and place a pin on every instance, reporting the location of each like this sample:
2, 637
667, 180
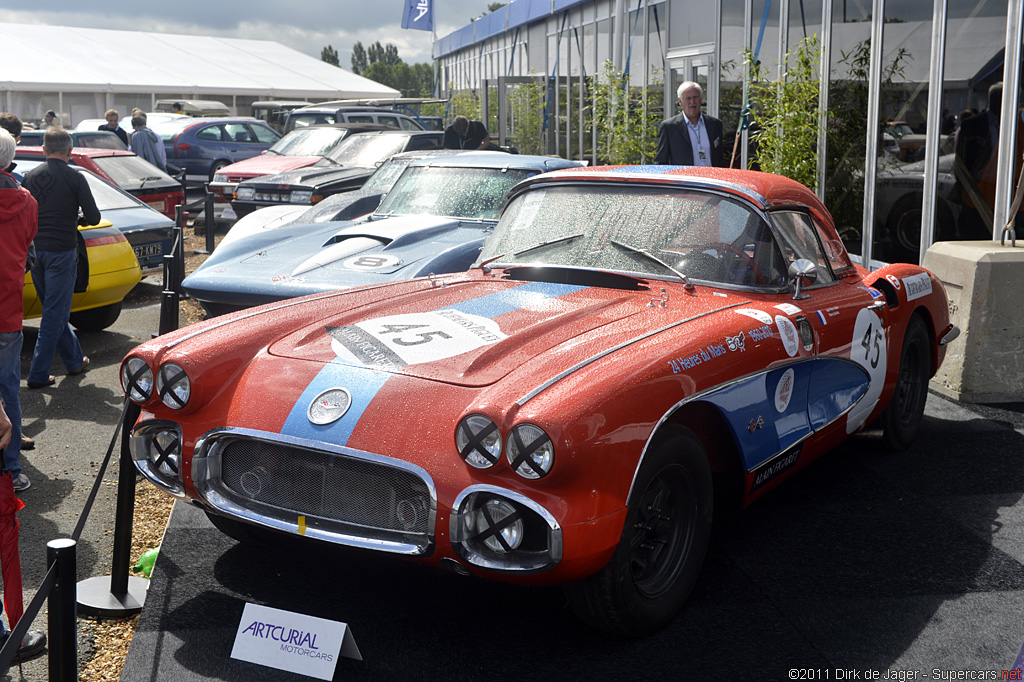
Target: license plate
148, 250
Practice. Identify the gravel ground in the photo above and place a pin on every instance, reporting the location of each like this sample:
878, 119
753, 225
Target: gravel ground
103, 644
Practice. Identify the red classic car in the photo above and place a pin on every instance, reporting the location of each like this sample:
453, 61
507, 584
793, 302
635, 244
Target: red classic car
635, 347
138, 177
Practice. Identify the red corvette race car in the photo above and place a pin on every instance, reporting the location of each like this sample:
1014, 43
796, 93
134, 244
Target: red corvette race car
635, 347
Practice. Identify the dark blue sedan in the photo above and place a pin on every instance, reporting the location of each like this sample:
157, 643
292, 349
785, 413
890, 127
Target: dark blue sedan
202, 146
433, 220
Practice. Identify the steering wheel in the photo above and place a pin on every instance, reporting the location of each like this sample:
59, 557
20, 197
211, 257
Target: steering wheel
738, 253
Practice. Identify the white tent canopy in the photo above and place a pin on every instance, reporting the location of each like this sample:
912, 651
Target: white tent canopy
61, 59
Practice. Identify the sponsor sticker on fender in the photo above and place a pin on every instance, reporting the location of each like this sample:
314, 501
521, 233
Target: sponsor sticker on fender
894, 280
784, 390
759, 315
789, 308
790, 337
389, 343
918, 285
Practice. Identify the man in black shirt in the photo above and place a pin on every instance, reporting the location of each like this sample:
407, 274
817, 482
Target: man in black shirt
112, 125
61, 192
466, 134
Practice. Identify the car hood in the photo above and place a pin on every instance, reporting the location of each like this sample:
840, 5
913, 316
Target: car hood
266, 164
297, 250
313, 176
475, 333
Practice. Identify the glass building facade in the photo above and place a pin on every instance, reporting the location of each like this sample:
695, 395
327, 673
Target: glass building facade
940, 157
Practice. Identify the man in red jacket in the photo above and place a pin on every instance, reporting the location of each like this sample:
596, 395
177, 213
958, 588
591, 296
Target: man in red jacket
18, 217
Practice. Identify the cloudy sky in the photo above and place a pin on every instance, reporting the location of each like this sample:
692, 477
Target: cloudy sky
305, 25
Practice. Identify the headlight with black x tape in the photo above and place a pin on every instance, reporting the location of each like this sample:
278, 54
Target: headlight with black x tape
137, 379
173, 386
478, 441
530, 451
156, 449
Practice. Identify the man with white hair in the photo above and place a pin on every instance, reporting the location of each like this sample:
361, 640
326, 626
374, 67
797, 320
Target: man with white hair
18, 214
690, 138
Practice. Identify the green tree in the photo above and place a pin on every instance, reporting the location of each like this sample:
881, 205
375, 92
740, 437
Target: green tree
359, 60
329, 55
386, 54
626, 117
526, 107
785, 114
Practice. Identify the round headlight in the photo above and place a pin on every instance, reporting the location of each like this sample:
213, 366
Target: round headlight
173, 386
478, 441
499, 525
137, 380
165, 454
530, 452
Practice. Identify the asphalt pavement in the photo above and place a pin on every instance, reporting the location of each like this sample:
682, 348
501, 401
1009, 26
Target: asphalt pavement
866, 562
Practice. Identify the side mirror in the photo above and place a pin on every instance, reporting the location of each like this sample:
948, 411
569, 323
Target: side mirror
800, 271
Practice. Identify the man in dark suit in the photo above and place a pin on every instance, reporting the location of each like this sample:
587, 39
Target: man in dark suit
690, 138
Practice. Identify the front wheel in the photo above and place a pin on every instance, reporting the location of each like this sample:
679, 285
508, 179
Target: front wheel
96, 319
902, 417
215, 168
662, 547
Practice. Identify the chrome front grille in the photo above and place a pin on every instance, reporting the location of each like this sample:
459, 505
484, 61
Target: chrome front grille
335, 494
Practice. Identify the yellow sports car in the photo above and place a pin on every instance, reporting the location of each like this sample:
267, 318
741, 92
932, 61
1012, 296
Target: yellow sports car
113, 271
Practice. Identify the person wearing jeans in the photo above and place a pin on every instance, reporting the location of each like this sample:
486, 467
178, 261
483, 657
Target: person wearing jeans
18, 215
61, 192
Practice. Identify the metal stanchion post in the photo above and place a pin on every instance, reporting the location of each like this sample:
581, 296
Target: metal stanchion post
63, 625
118, 595
208, 221
169, 298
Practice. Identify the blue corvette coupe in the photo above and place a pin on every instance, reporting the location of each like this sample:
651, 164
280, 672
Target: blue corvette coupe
434, 220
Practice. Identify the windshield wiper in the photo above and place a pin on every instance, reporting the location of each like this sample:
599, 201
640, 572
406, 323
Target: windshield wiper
688, 285
550, 242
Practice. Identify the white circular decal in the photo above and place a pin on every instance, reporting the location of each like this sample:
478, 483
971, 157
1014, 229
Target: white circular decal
392, 342
759, 315
784, 390
869, 351
329, 406
789, 334
371, 261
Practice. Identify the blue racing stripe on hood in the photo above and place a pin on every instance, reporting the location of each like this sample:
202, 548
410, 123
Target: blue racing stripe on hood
514, 298
361, 383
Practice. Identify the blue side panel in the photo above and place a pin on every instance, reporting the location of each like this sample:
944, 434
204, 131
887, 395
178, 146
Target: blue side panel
463, 37
524, 11
362, 383
836, 387
566, 4
490, 24
770, 412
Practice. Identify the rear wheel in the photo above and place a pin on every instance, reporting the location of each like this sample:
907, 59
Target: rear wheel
96, 319
902, 417
215, 168
662, 546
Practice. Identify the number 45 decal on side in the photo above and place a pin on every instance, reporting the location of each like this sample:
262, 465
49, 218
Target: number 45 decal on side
868, 349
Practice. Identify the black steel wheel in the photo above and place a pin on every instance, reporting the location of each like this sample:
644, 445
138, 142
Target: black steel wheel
902, 417
662, 546
96, 319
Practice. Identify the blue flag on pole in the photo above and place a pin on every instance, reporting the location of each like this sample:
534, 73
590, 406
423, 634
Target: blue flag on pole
419, 15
